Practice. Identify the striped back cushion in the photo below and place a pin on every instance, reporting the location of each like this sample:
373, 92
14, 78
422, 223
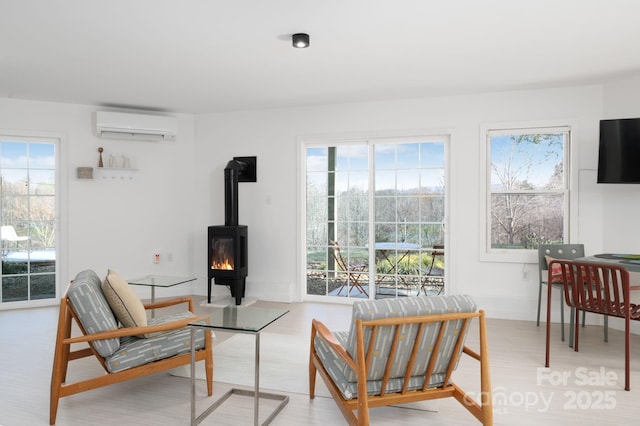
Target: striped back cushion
94, 313
401, 307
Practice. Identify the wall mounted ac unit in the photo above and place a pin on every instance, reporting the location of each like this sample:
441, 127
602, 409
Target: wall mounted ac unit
121, 125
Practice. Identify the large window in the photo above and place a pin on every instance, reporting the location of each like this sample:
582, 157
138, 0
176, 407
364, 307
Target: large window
375, 211
28, 216
527, 188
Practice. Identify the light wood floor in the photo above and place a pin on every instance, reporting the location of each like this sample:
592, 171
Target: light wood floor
584, 388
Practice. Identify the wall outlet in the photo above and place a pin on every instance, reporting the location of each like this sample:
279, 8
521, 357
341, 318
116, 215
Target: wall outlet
156, 258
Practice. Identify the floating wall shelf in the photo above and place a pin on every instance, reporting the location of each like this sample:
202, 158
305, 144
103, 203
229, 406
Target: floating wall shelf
111, 173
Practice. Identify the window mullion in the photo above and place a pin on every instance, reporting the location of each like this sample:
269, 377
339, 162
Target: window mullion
371, 219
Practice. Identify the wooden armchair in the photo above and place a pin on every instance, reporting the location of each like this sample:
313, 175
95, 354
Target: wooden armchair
601, 288
122, 352
399, 351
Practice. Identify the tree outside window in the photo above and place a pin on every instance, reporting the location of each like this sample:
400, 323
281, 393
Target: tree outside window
528, 188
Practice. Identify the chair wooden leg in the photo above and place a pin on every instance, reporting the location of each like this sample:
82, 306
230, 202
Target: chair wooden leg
312, 367
60, 361
363, 401
208, 362
486, 398
66, 349
312, 380
54, 397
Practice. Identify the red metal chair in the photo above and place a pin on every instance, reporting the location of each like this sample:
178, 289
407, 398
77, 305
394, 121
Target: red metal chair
599, 288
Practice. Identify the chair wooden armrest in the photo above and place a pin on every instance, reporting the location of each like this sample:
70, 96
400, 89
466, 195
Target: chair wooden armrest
318, 327
136, 331
170, 302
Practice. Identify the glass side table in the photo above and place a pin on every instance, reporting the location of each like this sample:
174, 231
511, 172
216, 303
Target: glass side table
154, 281
246, 320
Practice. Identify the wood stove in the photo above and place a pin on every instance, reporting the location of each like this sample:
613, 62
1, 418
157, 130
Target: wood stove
227, 255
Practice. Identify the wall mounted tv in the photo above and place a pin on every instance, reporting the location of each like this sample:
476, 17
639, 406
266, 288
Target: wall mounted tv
619, 153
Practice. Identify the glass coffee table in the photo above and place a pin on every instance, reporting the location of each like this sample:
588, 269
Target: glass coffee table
246, 320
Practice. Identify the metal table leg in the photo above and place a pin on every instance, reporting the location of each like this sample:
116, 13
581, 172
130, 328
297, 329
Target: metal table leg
255, 393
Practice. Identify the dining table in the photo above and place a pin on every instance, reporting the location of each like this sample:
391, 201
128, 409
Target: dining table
385, 251
631, 262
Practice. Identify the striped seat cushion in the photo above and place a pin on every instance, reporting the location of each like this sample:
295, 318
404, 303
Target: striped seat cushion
346, 379
134, 351
92, 309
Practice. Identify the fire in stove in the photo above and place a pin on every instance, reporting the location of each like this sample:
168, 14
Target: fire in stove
224, 265
222, 254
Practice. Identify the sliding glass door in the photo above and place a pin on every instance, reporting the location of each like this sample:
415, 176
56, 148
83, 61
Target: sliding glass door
375, 214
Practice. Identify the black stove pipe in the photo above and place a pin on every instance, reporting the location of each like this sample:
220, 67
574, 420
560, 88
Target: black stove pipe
231, 175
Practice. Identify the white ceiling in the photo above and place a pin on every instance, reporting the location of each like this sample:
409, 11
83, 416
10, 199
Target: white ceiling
200, 56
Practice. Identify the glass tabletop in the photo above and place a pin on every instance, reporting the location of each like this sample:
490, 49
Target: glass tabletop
247, 318
160, 280
398, 246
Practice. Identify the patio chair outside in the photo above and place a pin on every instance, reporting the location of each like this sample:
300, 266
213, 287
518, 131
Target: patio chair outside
433, 278
8, 233
355, 272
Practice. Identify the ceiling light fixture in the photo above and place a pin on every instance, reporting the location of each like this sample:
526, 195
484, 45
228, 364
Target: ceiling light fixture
300, 40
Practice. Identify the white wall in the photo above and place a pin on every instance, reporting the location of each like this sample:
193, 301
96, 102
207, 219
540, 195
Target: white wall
273, 226
622, 202
178, 190
118, 224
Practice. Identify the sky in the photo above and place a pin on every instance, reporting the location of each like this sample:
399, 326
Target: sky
23, 155
398, 165
527, 161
